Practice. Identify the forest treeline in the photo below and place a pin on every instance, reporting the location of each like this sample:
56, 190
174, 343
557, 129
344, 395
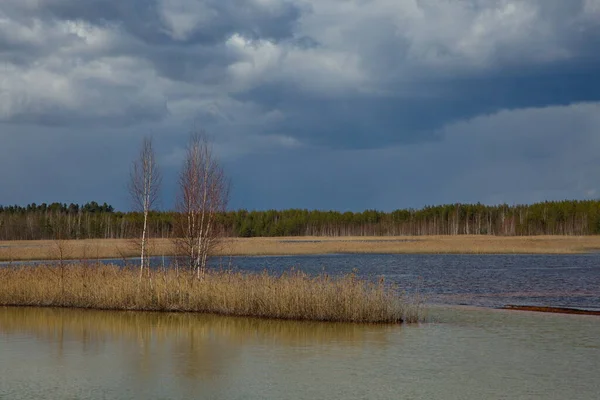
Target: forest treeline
93, 220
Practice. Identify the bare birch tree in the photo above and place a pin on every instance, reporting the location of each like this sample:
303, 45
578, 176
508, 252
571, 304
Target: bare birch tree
144, 187
203, 195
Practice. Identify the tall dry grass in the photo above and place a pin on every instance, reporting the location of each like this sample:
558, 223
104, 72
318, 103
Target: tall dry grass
122, 248
293, 295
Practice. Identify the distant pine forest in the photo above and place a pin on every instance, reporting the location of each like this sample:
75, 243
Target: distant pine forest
97, 221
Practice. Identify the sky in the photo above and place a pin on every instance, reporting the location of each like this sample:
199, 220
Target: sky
318, 104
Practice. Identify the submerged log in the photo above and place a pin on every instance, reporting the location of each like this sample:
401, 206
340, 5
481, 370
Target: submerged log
560, 310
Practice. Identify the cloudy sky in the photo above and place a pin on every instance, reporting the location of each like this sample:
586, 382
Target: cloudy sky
327, 104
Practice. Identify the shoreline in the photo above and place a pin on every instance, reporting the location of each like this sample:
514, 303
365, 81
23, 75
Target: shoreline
306, 245
398, 322
426, 310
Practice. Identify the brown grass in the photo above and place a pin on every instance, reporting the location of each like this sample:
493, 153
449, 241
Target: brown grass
471, 244
89, 249
293, 295
115, 248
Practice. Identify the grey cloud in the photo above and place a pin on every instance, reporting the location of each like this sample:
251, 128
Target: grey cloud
145, 19
76, 41
304, 49
310, 96
547, 58
372, 121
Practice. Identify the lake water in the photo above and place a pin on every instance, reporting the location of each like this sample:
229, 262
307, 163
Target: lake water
460, 353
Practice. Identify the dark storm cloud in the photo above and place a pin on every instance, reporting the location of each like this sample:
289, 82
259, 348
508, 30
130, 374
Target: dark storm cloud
72, 40
143, 18
323, 104
371, 121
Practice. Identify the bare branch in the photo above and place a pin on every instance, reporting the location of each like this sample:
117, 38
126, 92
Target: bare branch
203, 195
144, 188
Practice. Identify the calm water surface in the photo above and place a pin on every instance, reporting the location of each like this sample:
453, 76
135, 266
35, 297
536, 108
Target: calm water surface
460, 353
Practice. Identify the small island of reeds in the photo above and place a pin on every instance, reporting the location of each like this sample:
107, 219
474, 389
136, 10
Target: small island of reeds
292, 295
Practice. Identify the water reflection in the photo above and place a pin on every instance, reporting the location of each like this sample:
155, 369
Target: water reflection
91, 327
199, 350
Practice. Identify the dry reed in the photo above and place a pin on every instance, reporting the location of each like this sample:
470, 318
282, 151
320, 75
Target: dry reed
473, 244
292, 295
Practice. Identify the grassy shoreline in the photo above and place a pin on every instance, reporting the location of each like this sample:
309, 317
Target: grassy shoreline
120, 248
292, 295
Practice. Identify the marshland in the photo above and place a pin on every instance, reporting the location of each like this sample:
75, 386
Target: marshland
96, 328
153, 304
297, 245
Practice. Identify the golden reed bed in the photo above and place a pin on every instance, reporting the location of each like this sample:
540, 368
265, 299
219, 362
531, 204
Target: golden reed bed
293, 295
116, 248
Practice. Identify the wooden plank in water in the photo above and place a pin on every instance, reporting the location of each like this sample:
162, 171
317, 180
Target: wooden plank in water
561, 310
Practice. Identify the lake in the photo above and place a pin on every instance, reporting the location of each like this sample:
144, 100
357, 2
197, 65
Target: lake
459, 352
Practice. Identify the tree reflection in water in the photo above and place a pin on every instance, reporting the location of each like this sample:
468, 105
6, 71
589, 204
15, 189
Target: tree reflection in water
197, 348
